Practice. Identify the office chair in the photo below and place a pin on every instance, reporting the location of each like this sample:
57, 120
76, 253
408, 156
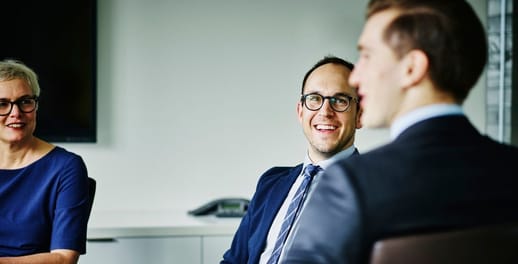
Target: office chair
92, 185
490, 244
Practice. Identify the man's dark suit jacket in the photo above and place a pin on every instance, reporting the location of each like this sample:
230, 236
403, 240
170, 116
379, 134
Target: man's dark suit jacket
438, 174
250, 238
271, 191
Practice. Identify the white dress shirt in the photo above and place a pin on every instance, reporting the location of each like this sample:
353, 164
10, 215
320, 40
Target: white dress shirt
423, 113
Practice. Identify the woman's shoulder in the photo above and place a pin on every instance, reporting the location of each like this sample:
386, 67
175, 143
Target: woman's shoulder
61, 153
54, 154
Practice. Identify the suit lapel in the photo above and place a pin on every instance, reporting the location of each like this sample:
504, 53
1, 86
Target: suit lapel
279, 192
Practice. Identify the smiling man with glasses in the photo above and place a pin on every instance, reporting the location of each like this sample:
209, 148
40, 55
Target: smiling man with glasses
329, 113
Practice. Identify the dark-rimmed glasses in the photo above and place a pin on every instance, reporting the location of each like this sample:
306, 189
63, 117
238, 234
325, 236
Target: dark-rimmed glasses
25, 105
339, 103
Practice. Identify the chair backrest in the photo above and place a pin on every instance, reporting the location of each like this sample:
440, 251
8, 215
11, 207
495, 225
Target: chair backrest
92, 185
490, 244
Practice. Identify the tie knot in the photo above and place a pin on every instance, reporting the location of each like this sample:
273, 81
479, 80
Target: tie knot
311, 170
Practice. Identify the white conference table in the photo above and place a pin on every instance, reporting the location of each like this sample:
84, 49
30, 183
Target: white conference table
120, 224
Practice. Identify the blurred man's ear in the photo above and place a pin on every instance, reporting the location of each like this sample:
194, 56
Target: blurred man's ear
299, 111
415, 67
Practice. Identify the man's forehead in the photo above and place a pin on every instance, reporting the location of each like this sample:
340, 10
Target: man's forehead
375, 26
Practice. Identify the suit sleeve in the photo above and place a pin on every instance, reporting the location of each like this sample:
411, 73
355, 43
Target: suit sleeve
238, 252
329, 227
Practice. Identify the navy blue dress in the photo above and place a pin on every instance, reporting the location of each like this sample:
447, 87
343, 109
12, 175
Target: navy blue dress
44, 206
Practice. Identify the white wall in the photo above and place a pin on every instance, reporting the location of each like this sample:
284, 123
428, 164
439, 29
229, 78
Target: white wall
196, 98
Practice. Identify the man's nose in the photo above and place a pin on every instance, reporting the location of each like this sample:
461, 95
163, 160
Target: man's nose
326, 107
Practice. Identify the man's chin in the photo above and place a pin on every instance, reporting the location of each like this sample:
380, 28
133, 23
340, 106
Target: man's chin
371, 122
328, 150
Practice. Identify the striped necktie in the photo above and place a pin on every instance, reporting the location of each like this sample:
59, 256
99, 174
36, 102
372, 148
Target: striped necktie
291, 214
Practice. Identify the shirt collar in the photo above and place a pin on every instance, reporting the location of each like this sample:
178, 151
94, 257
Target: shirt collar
325, 163
423, 113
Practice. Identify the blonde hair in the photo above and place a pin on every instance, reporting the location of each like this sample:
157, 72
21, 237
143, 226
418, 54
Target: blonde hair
13, 69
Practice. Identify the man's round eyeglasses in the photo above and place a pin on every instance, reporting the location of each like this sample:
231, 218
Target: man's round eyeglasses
25, 105
339, 103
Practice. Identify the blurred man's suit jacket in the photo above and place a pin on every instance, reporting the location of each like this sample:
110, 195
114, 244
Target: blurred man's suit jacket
438, 174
